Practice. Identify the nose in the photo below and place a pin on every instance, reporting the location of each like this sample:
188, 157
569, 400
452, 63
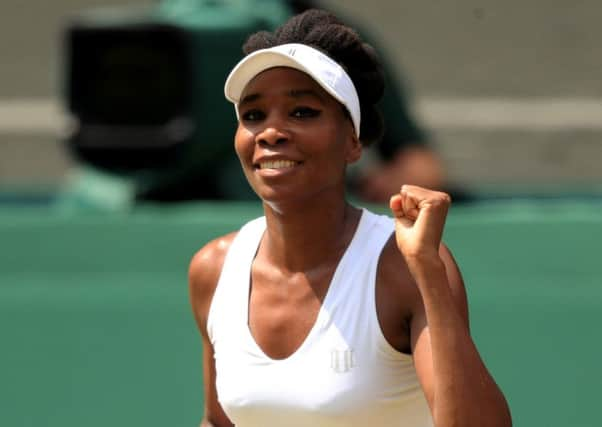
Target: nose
271, 135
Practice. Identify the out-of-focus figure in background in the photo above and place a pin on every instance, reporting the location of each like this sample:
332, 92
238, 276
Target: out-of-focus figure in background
146, 94
404, 156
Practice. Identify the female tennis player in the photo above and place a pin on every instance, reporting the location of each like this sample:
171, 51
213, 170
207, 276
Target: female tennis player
321, 313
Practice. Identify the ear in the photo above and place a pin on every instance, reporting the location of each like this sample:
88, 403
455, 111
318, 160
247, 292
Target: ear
354, 149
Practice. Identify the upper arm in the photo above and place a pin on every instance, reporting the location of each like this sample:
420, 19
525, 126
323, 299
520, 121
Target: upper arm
419, 331
203, 275
214, 415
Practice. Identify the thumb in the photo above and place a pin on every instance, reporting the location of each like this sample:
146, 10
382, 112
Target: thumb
396, 205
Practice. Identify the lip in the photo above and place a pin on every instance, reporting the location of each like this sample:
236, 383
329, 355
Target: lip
275, 164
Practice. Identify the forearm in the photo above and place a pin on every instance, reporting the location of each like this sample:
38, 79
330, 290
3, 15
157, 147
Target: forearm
464, 392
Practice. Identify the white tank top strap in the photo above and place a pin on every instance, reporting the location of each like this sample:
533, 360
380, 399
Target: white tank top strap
230, 297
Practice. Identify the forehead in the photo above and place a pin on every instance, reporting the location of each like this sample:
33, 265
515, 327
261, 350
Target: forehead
284, 80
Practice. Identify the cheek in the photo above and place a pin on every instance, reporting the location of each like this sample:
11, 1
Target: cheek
243, 142
339, 142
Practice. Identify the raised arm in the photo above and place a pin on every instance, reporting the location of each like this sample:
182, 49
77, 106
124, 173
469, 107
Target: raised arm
459, 388
203, 275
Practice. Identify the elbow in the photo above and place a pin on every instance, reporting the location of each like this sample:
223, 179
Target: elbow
506, 416
502, 414
496, 416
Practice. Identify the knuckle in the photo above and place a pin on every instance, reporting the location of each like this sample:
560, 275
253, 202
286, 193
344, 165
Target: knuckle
441, 199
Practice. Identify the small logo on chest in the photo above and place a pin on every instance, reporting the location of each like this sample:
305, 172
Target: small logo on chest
342, 361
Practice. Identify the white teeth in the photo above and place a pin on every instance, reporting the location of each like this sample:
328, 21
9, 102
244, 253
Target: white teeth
278, 164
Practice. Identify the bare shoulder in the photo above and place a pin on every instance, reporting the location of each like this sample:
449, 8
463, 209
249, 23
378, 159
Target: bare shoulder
203, 275
396, 296
395, 278
392, 265
399, 299
207, 262
393, 268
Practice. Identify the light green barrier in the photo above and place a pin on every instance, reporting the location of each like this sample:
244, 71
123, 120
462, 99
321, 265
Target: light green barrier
96, 330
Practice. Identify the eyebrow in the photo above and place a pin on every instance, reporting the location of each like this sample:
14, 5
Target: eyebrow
293, 93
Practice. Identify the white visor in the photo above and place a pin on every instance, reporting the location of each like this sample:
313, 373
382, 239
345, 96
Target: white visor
324, 70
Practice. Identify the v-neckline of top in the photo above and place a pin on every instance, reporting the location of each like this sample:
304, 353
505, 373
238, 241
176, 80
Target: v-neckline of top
334, 281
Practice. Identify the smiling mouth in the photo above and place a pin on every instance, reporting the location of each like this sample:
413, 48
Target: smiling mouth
277, 164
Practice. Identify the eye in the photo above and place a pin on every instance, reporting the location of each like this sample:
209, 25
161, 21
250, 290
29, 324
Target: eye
252, 115
305, 112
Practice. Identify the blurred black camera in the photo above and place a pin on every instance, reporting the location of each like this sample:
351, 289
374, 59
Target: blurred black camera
145, 90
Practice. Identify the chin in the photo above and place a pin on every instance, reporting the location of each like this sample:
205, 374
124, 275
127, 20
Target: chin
275, 197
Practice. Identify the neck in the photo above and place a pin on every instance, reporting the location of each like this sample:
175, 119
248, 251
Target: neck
306, 237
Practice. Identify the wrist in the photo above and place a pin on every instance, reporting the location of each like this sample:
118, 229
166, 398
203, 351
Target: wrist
427, 269
425, 261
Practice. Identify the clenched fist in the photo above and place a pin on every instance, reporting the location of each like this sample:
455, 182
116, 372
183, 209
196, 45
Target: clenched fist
419, 220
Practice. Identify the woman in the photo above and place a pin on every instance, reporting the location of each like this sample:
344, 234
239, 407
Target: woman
320, 313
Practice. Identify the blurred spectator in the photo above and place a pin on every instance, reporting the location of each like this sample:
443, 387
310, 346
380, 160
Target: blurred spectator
404, 155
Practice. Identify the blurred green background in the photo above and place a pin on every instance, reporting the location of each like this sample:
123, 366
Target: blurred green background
95, 325
96, 328
510, 89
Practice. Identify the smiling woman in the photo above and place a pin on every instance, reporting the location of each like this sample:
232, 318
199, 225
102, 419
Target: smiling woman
293, 135
319, 312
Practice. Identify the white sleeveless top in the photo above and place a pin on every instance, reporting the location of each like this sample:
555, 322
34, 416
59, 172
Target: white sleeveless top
344, 374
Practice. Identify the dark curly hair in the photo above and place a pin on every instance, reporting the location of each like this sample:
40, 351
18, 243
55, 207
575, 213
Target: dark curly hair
324, 31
